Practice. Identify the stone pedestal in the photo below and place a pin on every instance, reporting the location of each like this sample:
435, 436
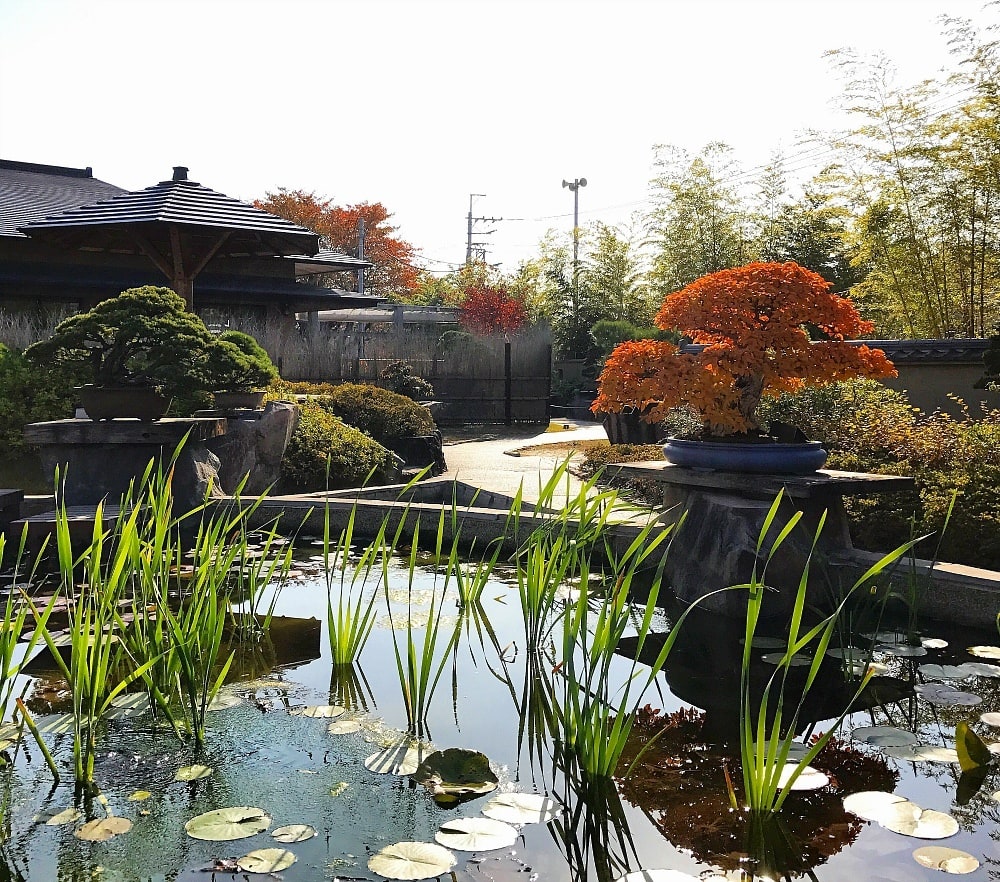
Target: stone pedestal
719, 516
98, 460
253, 446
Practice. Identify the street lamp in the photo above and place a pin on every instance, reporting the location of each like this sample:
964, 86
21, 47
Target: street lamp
575, 190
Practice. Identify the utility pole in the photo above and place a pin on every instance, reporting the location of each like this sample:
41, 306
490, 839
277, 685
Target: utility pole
480, 247
574, 188
361, 254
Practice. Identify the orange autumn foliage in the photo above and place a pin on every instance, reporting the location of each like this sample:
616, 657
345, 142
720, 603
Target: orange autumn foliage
751, 322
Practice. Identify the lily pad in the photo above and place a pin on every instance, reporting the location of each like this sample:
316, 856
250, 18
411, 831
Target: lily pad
950, 860
910, 819
66, 816
884, 736
293, 833
762, 641
946, 696
923, 753
224, 701
412, 860
103, 829
981, 669
799, 660
343, 727
666, 876
266, 860
872, 805
521, 808
320, 711
476, 834
809, 779
456, 774
193, 773
796, 750
984, 651
401, 758
225, 824
933, 643
901, 650
991, 719
944, 672
850, 653
139, 796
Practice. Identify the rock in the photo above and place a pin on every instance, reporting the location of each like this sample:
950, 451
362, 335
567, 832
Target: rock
420, 451
253, 446
196, 475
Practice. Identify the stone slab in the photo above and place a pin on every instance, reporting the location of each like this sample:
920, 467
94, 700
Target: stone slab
825, 482
162, 433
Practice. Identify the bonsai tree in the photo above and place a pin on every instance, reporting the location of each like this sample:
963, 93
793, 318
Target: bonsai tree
143, 337
398, 377
238, 363
763, 328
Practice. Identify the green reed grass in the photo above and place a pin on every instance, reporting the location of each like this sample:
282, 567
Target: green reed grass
767, 731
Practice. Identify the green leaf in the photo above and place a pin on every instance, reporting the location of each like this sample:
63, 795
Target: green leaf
972, 750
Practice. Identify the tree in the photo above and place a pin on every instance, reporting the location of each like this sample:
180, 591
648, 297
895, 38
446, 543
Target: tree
492, 309
751, 322
699, 224
612, 271
393, 275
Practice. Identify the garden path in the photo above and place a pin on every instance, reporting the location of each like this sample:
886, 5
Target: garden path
486, 456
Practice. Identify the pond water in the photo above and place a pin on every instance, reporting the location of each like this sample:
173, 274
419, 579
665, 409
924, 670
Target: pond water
672, 813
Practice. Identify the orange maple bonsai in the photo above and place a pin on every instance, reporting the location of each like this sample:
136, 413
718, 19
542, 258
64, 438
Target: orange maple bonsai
752, 322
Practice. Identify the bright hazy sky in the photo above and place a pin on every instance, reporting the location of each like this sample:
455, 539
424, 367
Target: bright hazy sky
418, 103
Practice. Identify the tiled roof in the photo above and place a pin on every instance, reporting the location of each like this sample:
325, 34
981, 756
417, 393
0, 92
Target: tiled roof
954, 351
326, 261
187, 203
30, 191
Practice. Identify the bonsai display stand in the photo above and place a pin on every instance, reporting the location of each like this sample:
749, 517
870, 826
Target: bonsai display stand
718, 517
98, 460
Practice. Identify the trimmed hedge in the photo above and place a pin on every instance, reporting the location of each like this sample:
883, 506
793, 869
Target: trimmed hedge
354, 458
376, 411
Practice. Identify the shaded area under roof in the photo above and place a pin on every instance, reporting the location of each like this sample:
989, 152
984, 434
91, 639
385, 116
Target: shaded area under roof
179, 225
327, 261
30, 192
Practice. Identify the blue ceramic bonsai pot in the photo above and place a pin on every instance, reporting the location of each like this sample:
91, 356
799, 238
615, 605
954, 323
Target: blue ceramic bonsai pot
774, 458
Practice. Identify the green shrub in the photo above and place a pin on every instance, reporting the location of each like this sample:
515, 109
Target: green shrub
238, 363
28, 394
398, 377
868, 428
378, 412
353, 456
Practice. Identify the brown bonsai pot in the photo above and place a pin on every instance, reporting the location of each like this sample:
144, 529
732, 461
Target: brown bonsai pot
239, 400
121, 402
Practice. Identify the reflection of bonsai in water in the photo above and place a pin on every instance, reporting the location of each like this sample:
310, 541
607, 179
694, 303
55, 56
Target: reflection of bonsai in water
680, 784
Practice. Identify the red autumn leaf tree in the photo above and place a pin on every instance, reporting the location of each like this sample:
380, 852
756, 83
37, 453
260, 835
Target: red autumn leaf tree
492, 309
752, 323
393, 275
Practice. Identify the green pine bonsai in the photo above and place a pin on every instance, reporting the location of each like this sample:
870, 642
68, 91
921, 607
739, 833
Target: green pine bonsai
143, 337
238, 363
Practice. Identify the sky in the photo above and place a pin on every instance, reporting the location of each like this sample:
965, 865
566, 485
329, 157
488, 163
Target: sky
419, 103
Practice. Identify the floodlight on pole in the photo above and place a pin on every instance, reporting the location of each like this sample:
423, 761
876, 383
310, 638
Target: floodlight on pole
574, 187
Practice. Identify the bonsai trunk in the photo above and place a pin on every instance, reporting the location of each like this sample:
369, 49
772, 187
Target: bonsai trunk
750, 388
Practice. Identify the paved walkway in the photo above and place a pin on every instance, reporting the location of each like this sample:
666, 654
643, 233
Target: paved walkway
482, 456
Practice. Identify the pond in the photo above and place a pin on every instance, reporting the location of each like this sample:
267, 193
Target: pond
298, 744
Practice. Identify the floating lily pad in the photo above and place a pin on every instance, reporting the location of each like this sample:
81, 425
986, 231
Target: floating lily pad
981, 669
521, 808
910, 819
933, 643
456, 774
224, 701
850, 653
476, 834
103, 829
401, 758
762, 641
320, 711
225, 824
66, 816
984, 651
950, 860
343, 727
266, 860
946, 696
666, 876
799, 660
412, 860
192, 773
796, 750
944, 672
809, 779
991, 719
293, 833
872, 805
139, 796
901, 650
884, 736
923, 753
